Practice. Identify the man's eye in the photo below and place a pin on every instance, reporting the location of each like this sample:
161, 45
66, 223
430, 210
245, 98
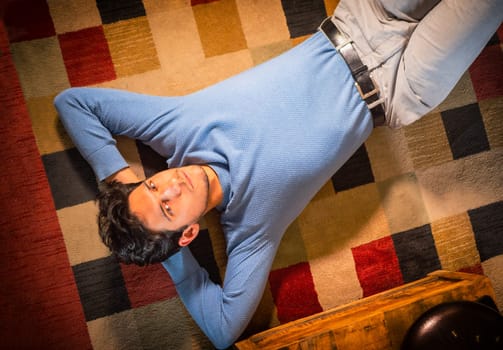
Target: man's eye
151, 185
168, 208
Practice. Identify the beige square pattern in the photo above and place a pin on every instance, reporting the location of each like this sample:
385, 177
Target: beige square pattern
153, 82
458, 186
350, 218
183, 62
265, 14
177, 40
492, 269
264, 53
292, 248
217, 68
168, 317
80, 231
117, 331
33, 59
332, 290
388, 153
403, 203
164, 6
70, 16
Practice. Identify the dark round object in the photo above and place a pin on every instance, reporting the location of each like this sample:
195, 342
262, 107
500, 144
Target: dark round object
456, 325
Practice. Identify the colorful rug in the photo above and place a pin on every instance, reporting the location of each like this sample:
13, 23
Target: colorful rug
410, 201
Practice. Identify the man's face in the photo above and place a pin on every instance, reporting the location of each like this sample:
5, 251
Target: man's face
171, 199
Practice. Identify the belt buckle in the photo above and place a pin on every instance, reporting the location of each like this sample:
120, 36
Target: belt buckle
374, 91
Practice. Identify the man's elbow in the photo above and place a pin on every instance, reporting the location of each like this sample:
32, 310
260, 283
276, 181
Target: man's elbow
62, 98
66, 99
224, 339
223, 343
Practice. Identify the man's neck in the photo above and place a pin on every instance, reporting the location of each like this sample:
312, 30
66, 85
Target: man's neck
215, 192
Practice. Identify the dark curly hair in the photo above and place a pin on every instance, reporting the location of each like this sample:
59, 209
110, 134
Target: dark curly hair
123, 233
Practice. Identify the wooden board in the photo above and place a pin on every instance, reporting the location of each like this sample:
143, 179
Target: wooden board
378, 322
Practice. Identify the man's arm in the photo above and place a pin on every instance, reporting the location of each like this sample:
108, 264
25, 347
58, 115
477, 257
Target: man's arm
93, 116
223, 312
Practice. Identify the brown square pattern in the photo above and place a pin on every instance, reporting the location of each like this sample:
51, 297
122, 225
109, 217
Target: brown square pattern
131, 46
219, 27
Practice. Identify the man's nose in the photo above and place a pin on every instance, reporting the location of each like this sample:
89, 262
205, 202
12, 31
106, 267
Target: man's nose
171, 191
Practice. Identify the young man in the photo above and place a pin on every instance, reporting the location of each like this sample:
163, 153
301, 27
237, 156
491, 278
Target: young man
259, 145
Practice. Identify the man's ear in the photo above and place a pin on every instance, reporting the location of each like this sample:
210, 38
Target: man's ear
188, 234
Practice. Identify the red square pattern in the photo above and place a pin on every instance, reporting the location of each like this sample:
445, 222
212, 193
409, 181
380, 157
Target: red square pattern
87, 57
293, 292
39, 302
377, 266
486, 73
147, 285
28, 20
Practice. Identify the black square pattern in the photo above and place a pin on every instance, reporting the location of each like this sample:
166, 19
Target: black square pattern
465, 130
303, 17
416, 253
201, 249
71, 179
152, 161
355, 172
495, 40
487, 225
101, 288
113, 10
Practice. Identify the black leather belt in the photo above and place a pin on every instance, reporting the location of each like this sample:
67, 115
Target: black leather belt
360, 72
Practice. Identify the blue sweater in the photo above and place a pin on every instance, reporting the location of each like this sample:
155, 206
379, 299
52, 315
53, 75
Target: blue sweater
274, 134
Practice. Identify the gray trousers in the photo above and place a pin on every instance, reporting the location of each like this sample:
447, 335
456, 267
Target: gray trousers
417, 50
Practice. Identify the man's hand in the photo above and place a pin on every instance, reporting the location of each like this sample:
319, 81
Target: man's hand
125, 175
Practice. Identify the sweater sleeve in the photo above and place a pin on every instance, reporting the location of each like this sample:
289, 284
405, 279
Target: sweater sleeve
223, 312
91, 117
